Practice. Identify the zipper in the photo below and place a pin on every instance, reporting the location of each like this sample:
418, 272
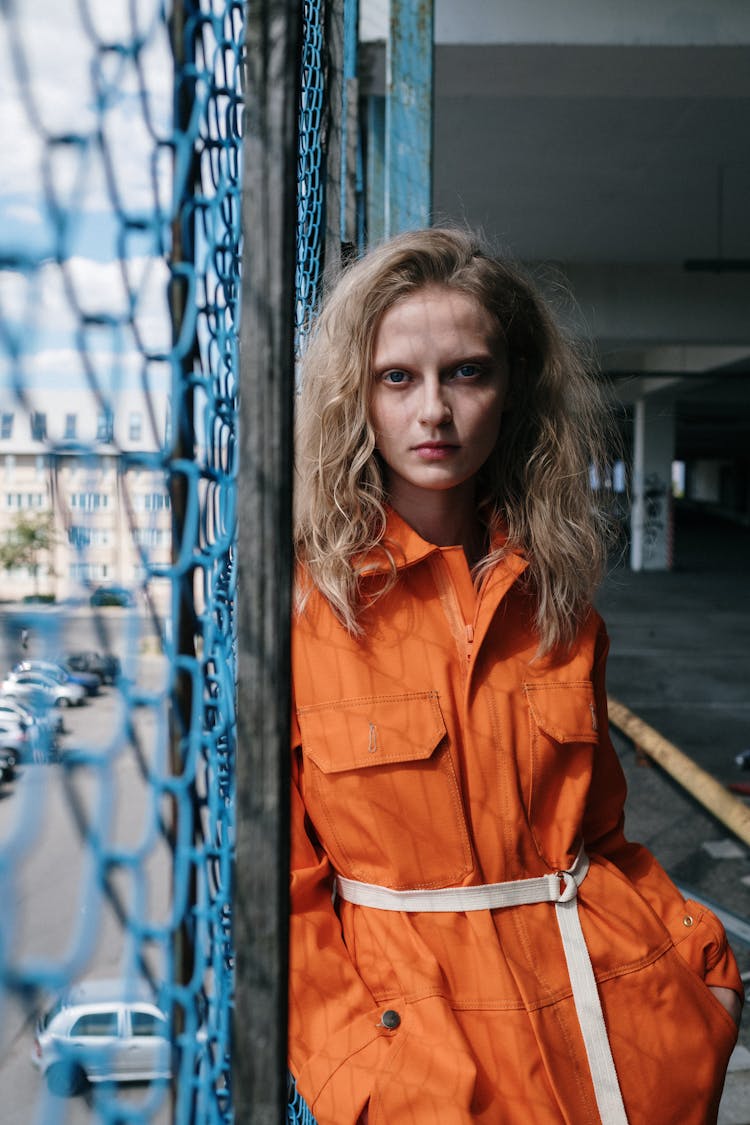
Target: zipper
463, 634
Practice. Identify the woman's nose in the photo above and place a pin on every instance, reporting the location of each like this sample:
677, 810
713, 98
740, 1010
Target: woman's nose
434, 408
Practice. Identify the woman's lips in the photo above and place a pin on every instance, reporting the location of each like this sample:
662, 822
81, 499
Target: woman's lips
435, 450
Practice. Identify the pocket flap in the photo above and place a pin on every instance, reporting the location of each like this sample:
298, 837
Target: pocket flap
564, 711
350, 734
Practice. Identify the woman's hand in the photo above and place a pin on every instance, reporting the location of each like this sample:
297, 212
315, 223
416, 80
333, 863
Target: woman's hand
728, 999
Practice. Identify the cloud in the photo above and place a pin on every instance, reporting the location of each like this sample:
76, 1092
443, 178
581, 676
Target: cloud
56, 82
116, 313
65, 369
86, 185
23, 212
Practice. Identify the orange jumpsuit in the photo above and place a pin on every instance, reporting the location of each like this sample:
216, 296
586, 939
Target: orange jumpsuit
436, 751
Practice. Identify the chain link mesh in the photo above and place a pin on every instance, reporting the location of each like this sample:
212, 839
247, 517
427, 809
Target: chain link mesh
119, 286
310, 166
120, 243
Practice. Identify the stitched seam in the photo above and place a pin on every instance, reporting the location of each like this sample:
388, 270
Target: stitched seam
482, 1003
335, 704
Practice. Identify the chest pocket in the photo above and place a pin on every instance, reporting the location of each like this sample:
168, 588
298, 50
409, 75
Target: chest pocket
381, 788
563, 736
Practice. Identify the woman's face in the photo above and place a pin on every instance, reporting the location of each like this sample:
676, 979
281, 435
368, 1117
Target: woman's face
440, 379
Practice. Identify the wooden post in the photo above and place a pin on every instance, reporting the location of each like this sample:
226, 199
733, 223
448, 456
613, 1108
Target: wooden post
350, 126
182, 609
265, 561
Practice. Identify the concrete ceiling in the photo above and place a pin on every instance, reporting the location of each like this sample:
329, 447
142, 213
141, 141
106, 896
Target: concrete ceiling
597, 154
616, 164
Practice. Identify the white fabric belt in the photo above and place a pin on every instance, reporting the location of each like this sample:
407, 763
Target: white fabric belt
561, 888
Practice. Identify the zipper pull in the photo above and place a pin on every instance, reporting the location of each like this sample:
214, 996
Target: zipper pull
469, 640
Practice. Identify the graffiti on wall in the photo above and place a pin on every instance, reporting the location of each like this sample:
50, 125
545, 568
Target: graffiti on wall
655, 515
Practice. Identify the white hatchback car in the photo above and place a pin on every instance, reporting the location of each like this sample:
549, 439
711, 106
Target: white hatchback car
102, 1031
35, 685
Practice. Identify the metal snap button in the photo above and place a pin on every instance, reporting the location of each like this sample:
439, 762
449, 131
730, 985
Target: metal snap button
390, 1019
687, 920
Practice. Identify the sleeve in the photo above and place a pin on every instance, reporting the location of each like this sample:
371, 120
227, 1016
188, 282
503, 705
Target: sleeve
336, 1039
703, 943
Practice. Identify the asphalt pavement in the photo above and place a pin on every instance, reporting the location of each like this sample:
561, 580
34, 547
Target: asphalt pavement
680, 659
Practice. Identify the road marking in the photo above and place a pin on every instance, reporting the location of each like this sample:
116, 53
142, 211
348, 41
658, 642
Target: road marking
723, 849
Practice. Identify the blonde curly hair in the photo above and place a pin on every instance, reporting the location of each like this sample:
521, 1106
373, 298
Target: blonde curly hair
535, 486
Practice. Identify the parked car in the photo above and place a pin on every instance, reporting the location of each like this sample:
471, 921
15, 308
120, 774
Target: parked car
112, 595
88, 681
43, 688
105, 665
7, 767
102, 1031
43, 726
14, 740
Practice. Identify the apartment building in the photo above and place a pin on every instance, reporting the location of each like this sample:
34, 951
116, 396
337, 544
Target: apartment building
92, 467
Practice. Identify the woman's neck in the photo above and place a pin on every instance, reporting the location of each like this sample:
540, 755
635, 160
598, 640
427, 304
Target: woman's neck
446, 518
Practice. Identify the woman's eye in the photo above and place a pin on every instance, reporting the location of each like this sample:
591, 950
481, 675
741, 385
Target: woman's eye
395, 377
467, 370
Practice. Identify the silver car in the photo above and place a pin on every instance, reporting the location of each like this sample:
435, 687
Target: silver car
15, 747
27, 684
43, 727
102, 1031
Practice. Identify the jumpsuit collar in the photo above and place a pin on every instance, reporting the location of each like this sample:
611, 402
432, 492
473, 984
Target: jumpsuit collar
407, 548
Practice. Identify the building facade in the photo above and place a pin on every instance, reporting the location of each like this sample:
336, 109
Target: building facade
91, 472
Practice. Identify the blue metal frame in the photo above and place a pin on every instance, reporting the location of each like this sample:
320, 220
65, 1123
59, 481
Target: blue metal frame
408, 116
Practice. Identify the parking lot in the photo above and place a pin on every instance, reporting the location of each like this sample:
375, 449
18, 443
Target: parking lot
58, 820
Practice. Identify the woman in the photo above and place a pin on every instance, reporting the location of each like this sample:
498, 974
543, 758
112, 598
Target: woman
472, 937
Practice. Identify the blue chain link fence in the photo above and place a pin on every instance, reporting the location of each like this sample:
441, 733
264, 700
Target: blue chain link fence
120, 239
310, 165
119, 246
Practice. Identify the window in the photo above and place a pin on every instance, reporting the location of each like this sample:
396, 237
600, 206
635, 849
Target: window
38, 426
135, 425
24, 500
95, 1023
82, 536
151, 536
89, 501
70, 426
105, 425
151, 502
619, 477
6, 426
145, 1023
89, 571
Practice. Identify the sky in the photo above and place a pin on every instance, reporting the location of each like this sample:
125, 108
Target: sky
83, 131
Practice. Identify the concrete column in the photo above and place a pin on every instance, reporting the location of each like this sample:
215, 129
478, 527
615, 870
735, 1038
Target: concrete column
651, 511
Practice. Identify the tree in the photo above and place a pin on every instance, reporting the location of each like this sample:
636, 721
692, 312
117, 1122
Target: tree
30, 536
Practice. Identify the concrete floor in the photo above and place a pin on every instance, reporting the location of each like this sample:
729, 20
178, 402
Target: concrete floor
680, 659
